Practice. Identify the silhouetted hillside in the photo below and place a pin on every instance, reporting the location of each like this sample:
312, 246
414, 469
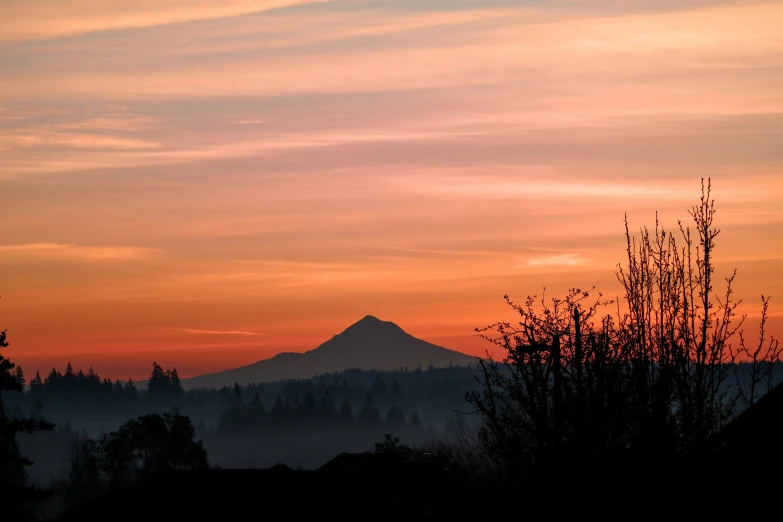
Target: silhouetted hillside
368, 344
350, 487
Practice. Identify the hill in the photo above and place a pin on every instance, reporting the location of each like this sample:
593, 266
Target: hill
369, 344
350, 487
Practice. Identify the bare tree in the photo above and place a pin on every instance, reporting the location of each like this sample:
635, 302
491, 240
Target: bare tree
580, 394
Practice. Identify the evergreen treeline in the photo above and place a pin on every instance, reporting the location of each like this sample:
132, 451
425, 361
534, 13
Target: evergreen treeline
79, 385
314, 413
86, 398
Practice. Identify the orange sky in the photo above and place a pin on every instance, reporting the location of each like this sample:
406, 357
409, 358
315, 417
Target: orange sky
206, 183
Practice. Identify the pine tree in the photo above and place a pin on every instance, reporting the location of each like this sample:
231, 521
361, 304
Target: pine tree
13, 477
159, 383
19, 376
415, 423
257, 412
308, 409
236, 400
68, 377
36, 385
369, 415
53, 380
176, 384
326, 409
130, 391
379, 387
396, 391
395, 418
345, 416
36, 411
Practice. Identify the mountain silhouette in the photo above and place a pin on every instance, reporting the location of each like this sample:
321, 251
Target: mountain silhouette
369, 344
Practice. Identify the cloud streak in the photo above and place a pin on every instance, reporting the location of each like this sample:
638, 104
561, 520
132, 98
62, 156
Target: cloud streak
73, 252
218, 332
46, 19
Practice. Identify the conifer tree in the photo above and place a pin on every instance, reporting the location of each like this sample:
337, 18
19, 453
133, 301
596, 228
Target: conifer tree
395, 418
345, 416
19, 376
369, 415
36, 385
415, 422
176, 385
13, 478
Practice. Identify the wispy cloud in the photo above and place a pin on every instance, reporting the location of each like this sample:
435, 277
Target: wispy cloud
43, 19
218, 332
64, 251
556, 260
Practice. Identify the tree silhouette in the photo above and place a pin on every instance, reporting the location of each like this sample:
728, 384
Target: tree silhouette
395, 391
345, 415
19, 376
176, 384
148, 444
595, 398
159, 383
36, 385
369, 416
378, 388
395, 418
17, 493
327, 413
415, 423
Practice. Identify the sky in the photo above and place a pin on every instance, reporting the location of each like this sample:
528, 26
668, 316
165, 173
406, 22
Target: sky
206, 184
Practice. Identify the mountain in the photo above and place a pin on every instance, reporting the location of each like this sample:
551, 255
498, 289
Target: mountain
370, 344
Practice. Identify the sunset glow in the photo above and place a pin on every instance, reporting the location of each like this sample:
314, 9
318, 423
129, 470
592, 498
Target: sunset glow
207, 184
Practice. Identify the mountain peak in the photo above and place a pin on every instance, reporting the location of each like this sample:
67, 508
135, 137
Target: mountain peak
369, 324
369, 344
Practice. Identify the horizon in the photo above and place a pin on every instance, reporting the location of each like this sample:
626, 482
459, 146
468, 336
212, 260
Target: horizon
142, 377
206, 186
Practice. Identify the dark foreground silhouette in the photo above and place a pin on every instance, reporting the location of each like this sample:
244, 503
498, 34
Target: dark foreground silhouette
349, 487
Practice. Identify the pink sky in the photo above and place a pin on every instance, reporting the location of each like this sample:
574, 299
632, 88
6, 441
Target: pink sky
206, 184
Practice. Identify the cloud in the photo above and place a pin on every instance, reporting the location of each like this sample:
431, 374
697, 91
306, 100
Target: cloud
72, 140
557, 260
46, 19
61, 251
218, 332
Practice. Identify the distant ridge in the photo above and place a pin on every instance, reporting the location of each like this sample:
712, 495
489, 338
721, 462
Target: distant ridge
368, 344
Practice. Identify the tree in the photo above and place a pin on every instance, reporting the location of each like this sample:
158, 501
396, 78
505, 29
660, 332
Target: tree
149, 444
130, 389
257, 412
327, 412
596, 397
19, 376
308, 410
278, 416
176, 384
415, 422
345, 415
159, 383
13, 478
378, 388
391, 446
85, 479
761, 359
395, 391
369, 416
36, 385
236, 399
395, 418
